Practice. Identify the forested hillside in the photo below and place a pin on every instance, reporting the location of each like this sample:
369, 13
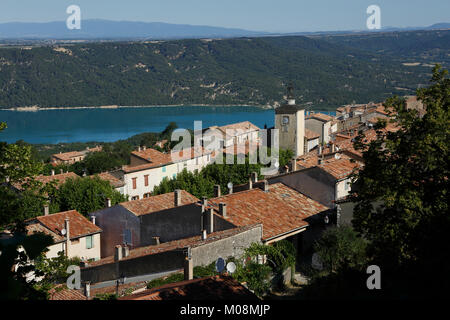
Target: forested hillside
234, 71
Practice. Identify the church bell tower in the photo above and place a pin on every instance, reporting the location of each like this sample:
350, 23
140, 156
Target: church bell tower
290, 122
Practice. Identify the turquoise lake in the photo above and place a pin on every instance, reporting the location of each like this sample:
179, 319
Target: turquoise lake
106, 125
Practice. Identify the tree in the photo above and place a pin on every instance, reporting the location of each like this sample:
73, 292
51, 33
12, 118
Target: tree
16, 267
341, 247
53, 269
86, 195
407, 172
17, 167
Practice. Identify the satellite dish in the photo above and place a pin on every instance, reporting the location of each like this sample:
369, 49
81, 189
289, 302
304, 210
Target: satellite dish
230, 185
326, 220
220, 265
63, 232
277, 164
231, 267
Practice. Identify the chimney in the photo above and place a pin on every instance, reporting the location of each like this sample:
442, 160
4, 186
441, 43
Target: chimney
223, 209
46, 210
217, 192
210, 221
230, 189
204, 235
319, 161
118, 253
87, 289
204, 201
254, 177
125, 251
139, 149
188, 269
177, 198
333, 148
320, 149
156, 241
108, 203
53, 172
67, 227
61, 171
250, 184
144, 148
294, 165
93, 219
266, 186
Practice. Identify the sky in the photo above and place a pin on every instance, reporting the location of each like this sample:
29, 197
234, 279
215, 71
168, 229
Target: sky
256, 15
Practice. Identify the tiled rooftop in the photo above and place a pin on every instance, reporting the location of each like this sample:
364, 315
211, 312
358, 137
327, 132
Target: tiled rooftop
191, 242
107, 176
61, 292
339, 166
219, 287
280, 210
66, 156
52, 224
320, 116
157, 203
311, 134
239, 128
59, 178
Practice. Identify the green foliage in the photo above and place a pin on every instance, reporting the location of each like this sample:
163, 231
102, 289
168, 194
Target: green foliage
15, 283
105, 296
54, 268
281, 255
255, 275
176, 277
341, 247
180, 72
406, 173
86, 195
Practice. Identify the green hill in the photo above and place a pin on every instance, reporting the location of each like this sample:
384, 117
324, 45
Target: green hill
234, 71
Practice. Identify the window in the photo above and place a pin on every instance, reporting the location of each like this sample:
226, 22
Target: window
146, 180
135, 198
147, 195
89, 242
134, 183
163, 169
174, 176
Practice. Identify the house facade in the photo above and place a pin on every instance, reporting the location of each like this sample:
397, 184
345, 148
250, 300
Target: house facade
72, 233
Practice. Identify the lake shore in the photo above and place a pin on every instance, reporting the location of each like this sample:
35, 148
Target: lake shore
36, 108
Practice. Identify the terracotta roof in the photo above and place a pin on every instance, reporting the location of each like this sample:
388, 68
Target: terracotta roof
239, 128
152, 156
219, 287
66, 156
340, 168
157, 203
320, 116
59, 178
192, 153
61, 292
280, 210
52, 224
107, 176
191, 242
311, 134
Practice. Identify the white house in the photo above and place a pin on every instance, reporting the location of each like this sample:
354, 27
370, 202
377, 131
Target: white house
148, 167
236, 133
72, 233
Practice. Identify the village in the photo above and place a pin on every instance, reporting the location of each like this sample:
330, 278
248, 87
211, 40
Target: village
124, 246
